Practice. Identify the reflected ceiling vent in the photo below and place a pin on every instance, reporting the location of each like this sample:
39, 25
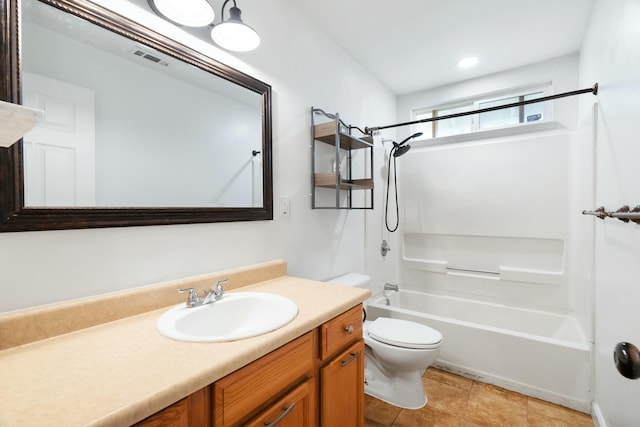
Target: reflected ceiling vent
141, 53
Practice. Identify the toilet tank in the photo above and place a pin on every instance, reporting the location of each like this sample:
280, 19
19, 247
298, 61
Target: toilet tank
355, 280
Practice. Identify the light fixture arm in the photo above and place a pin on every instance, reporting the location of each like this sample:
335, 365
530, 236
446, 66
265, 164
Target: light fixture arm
235, 6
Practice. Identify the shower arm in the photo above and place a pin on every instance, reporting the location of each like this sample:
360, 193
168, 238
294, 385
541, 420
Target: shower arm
593, 90
404, 141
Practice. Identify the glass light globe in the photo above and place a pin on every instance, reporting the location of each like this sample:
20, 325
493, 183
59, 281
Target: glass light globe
233, 34
190, 13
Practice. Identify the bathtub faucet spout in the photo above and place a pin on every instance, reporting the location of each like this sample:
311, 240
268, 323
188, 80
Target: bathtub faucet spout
390, 287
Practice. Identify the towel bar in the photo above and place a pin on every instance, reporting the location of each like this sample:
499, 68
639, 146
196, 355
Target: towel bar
624, 214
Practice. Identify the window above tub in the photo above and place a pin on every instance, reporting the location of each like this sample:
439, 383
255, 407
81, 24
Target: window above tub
479, 123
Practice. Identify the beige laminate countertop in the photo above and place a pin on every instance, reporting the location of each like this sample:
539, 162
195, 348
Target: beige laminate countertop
120, 372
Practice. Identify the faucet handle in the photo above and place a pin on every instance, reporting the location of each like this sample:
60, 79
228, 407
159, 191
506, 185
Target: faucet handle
216, 292
193, 297
219, 289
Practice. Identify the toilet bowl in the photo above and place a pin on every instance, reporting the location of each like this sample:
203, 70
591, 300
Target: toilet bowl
397, 352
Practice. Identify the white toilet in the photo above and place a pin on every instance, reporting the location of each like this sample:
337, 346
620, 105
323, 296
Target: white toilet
397, 352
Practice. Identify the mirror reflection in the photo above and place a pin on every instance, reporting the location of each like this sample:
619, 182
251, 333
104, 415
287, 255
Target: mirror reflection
129, 126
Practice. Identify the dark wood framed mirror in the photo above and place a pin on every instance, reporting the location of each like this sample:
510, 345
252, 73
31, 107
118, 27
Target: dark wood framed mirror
22, 206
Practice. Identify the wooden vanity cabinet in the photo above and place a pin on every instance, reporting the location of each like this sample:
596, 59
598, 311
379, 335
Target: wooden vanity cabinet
257, 389
295, 409
315, 380
341, 371
192, 411
342, 389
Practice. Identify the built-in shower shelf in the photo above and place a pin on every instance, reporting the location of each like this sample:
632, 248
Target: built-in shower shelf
512, 274
328, 180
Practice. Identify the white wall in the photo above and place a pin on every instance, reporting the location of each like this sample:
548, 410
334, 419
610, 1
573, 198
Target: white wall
304, 68
561, 72
611, 56
381, 268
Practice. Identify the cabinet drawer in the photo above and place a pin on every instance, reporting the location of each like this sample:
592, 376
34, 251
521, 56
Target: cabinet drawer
340, 331
242, 393
293, 410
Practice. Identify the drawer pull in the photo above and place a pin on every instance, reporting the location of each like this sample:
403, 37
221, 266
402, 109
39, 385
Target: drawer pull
284, 414
349, 329
353, 357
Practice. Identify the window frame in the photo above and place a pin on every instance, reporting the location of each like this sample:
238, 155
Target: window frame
474, 104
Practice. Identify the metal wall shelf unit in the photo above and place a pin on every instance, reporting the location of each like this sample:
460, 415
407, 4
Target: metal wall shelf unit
342, 180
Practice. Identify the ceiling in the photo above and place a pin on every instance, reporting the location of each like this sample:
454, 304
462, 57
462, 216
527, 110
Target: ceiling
411, 45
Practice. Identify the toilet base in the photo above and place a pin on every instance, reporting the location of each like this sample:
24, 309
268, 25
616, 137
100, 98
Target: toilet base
401, 388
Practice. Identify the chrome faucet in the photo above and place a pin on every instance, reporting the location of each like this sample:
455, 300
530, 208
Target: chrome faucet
215, 293
390, 287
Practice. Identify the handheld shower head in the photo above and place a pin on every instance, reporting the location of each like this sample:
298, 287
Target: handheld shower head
396, 151
400, 150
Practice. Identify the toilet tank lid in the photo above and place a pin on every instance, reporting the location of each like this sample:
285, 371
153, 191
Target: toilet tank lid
357, 280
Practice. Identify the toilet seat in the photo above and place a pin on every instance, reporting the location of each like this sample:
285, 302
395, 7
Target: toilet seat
403, 333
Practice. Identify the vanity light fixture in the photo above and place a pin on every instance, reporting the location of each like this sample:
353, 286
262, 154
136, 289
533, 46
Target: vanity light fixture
233, 34
188, 13
230, 34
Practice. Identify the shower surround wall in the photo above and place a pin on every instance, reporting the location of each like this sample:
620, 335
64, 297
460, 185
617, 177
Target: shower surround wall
498, 219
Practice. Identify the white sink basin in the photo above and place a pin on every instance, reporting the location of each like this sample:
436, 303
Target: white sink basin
235, 316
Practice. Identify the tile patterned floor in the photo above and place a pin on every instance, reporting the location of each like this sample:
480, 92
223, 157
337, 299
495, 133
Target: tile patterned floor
455, 401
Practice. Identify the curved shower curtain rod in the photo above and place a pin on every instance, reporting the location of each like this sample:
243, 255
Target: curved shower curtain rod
593, 90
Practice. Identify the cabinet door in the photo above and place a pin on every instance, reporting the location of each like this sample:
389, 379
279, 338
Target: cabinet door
293, 410
192, 411
342, 389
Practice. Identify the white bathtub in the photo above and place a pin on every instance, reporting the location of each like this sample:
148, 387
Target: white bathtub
540, 354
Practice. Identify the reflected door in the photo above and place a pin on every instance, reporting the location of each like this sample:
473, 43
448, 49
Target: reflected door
59, 154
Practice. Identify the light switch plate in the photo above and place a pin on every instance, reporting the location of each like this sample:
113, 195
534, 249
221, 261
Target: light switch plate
285, 205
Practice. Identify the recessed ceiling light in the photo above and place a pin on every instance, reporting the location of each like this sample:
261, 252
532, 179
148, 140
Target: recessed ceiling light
468, 62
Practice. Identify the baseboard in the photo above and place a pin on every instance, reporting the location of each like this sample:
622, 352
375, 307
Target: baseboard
596, 415
484, 377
